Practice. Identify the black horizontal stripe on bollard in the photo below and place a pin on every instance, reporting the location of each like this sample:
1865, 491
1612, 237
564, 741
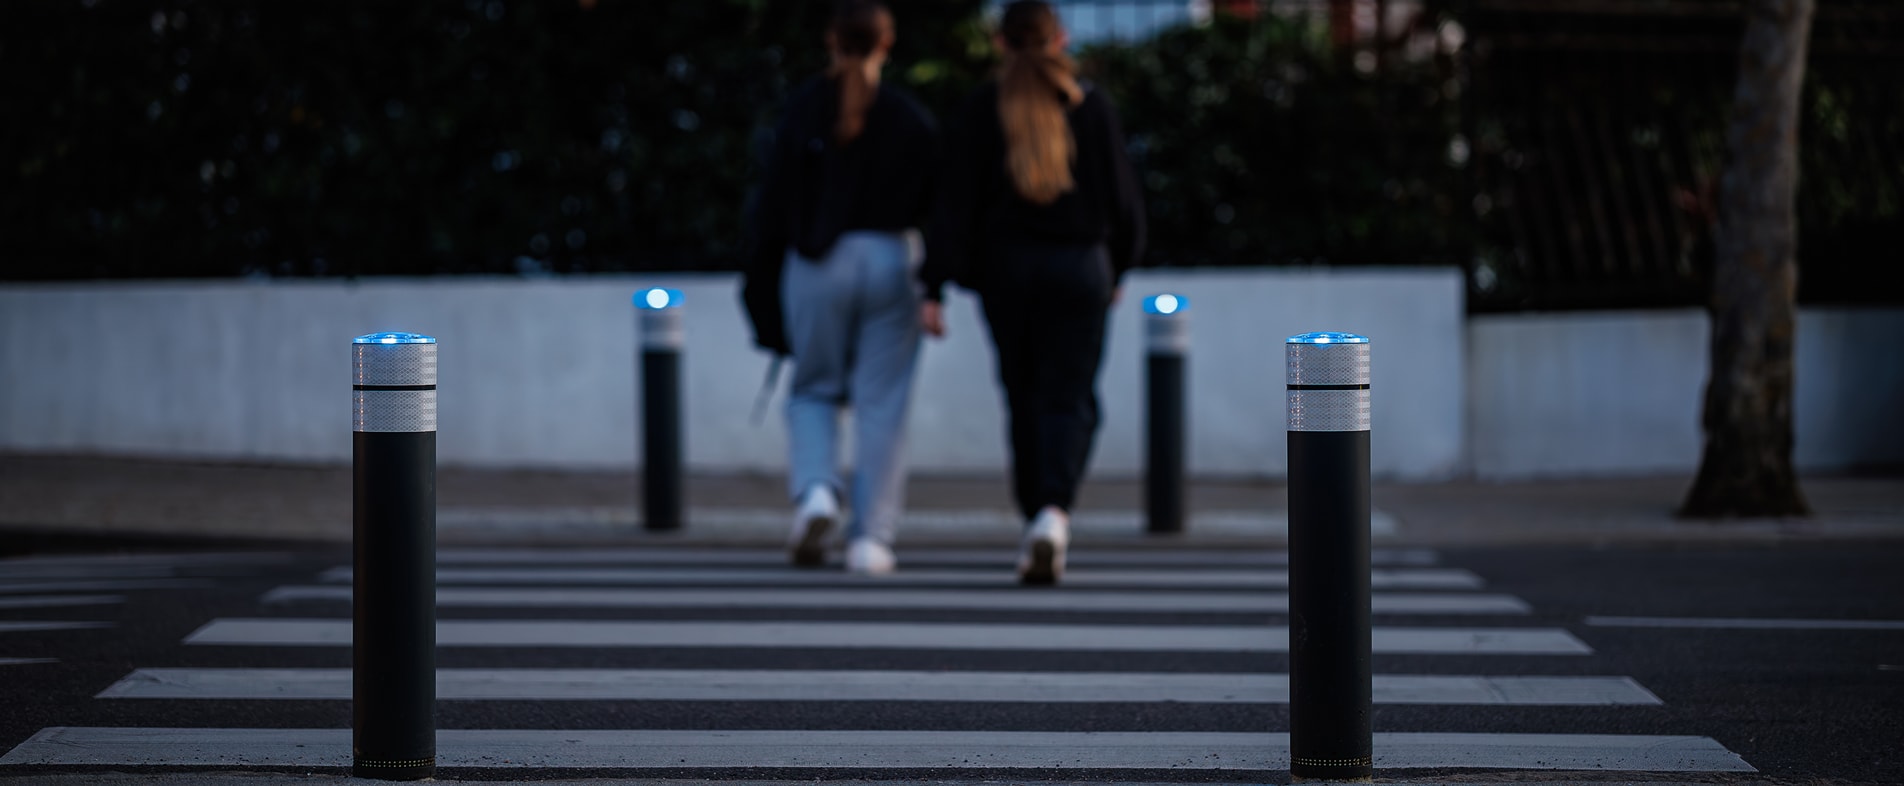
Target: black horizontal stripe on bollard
1328, 387
392, 387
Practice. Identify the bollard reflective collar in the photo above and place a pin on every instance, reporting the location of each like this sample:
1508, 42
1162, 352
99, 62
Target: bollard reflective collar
1328, 382
393, 383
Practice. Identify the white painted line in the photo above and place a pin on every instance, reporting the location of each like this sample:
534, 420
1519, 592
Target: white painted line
181, 559
75, 572
29, 626
948, 750
939, 556
886, 635
972, 524
1402, 578
790, 685
1742, 623
25, 661
55, 601
866, 598
23, 587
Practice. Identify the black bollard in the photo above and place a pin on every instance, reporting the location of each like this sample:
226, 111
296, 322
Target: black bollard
1330, 684
661, 339
1168, 331
393, 648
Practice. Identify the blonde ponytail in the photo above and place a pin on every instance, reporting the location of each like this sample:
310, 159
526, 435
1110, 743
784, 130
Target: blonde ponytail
1034, 92
1036, 88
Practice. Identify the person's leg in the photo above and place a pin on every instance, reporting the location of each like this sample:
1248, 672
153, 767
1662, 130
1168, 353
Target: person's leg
1068, 340
815, 295
885, 353
1071, 349
1009, 313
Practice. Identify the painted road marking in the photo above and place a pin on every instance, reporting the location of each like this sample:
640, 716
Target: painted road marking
25, 661
979, 557
1741, 623
862, 598
28, 626
952, 750
55, 601
178, 560
17, 571
855, 685
25, 587
930, 636
1406, 578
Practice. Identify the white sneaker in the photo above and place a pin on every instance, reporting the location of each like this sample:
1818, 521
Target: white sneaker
812, 521
1041, 555
868, 557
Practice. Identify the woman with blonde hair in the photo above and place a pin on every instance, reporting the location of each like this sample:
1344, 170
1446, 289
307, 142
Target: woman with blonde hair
1040, 215
830, 280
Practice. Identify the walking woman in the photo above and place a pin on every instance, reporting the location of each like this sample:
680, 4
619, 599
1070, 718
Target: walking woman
1039, 214
831, 281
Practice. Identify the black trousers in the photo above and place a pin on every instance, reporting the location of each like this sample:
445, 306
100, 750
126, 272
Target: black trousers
1046, 307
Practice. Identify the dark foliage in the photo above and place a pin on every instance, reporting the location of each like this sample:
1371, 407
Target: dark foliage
1258, 145
220, 138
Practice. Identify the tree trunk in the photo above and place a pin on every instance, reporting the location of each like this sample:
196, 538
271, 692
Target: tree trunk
1746, 469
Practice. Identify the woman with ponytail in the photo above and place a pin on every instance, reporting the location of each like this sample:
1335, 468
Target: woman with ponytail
1039, 214
830, 280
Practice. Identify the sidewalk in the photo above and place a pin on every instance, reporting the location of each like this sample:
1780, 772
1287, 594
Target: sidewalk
69, 496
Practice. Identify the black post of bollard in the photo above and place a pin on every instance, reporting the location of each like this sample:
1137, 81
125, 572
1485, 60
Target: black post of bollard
393, 649
661, 338
1168, 331
1330, 686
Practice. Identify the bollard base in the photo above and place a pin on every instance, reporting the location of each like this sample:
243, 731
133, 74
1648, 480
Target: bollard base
1337, 771
413, 770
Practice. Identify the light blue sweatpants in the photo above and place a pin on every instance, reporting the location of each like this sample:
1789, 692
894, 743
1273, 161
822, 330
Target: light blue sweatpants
853, 322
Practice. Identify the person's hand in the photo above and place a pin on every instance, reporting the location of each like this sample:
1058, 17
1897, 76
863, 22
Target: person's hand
932, 318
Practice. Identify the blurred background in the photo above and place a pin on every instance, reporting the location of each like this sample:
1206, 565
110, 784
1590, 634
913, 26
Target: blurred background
1561, 153
1524, 158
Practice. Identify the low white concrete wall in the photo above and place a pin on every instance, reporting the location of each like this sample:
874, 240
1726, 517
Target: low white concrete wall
541, 372
1609, 393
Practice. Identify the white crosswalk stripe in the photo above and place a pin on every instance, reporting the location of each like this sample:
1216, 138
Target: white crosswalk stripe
503, 611
808, 685
662, 749
888, 635
1230, 578
1190, 602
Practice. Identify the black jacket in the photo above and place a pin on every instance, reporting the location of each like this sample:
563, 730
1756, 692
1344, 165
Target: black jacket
816, 189
979, 210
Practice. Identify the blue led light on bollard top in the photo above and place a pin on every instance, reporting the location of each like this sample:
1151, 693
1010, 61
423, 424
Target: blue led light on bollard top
1326, 337
1165, 304
393, 338
658, 298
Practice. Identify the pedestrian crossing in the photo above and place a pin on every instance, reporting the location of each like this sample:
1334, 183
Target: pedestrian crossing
1144, 661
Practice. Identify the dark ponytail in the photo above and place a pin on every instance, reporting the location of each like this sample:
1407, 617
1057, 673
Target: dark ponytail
859, 30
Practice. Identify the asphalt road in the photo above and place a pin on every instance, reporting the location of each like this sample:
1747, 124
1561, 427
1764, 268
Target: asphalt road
1788, 658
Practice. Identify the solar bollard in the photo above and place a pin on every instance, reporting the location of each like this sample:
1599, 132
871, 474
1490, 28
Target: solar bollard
393, 650
661, 338
1167, 328
1330, 686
